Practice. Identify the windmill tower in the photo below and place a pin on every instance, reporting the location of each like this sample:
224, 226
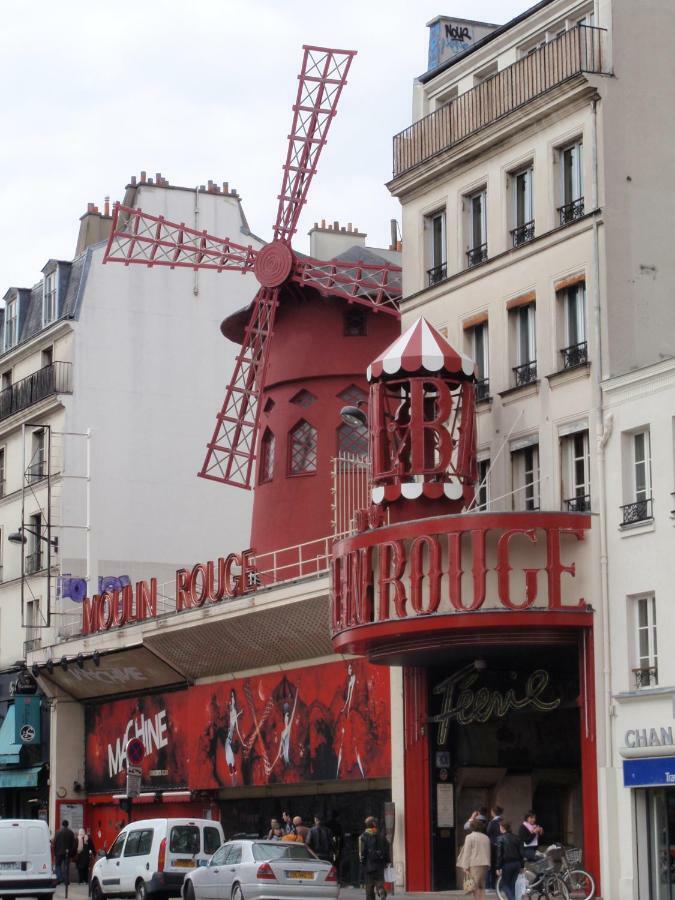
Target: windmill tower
306, 338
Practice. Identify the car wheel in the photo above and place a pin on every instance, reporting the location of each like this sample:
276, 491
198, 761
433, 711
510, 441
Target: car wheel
237, 893
189, 891
96, 892
141, 890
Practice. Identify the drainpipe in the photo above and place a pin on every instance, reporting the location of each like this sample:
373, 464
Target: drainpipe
603, 431
195, 277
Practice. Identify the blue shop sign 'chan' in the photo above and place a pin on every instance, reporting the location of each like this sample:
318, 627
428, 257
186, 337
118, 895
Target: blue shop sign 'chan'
652, 772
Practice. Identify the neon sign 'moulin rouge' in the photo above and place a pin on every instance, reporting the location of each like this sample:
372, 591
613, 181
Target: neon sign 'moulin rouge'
466, 706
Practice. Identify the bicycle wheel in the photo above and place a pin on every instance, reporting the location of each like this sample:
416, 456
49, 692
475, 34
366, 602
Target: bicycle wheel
580, 884
555, 889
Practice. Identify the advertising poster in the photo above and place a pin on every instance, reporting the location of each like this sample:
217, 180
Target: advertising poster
321, 723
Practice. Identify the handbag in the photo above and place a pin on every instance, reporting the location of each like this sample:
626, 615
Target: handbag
469, 884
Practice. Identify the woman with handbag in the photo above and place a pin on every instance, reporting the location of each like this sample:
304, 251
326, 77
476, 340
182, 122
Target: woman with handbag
474, 859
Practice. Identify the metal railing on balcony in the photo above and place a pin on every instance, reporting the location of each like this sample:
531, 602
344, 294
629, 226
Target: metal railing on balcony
646, 676
578, 504
638, 511
482, 390
436, 274
579, 50
575, 355
52, 379
476, 255
570, 211
522, 234
525, 374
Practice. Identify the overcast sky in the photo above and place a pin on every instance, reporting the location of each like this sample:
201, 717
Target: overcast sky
94, 92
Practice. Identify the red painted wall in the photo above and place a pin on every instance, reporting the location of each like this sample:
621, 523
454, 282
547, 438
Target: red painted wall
309, 350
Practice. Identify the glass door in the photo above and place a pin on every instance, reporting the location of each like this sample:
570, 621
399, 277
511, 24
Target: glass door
661, 821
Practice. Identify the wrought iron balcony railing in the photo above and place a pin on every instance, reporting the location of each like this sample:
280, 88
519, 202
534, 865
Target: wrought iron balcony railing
575, 355
436, 274
578, 504
525, 374
482, 389
571, 211
476, 255
577, 51
52, 379
638, 511
646, 676
522, 234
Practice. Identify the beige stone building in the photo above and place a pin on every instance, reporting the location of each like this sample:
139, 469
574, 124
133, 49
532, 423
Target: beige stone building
535, 233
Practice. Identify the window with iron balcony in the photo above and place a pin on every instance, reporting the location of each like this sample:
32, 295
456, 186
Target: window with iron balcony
475, 207
646, 672
435, 248
639, 507
525, 478
571, 183
575, 467
476, 339
573, 307
524, 348
523, 208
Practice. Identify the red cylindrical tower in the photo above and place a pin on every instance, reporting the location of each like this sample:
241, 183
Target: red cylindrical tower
318, 360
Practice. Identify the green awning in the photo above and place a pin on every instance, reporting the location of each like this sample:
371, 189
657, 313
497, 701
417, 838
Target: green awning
9, 751
19, 778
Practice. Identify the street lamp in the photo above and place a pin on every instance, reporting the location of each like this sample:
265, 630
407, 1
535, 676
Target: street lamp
19, 537
354, 416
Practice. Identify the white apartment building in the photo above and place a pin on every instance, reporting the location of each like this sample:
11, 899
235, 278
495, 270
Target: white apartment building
111, 381
535, 233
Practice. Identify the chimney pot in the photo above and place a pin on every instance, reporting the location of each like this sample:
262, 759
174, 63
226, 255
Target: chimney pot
106, 206
144, 176
150, 181
158, 177
349, 226
226, 189
343, 228
90, 207
316, 224
133, 180
336, 225
323, 223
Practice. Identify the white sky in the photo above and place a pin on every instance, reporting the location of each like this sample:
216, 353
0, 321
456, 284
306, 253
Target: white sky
93, 92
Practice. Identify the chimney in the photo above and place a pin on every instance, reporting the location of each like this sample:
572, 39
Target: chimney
94, 227
326, 241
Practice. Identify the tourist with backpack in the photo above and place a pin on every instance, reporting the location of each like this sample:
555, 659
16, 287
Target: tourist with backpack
375, 857
320, 840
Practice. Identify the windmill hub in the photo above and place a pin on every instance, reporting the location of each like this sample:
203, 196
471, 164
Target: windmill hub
273, 264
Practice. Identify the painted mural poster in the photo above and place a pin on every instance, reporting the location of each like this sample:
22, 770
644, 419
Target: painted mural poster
321, 723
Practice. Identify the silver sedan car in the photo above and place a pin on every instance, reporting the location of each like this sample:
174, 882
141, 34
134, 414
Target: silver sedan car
262, 870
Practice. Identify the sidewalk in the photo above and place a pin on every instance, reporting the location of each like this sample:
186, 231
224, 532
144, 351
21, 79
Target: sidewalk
79, 892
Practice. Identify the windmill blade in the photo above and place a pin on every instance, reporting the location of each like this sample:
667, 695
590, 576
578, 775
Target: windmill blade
140, 238
322, 77
370, 285
231, 452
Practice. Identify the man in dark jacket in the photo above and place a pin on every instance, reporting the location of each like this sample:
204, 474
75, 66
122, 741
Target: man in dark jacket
510, 859
64, 848
493, 833
374, 855
319, 840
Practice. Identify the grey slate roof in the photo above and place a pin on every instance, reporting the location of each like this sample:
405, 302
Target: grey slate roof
71, 277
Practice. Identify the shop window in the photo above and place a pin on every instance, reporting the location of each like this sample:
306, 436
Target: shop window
646, 671
355, 322
353, 440
435, 247
303, 447
576, 464
525, 477
267, 448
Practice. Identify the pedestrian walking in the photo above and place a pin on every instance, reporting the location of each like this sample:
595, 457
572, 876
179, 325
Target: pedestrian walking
474, 860
529, 834
493, 832
275, 825
83, 855
337, 836
480, 815
510, 859
375, 857
65, 845
287, 820
301, 830
319, 840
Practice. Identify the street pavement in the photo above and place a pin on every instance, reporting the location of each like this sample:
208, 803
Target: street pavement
79, 892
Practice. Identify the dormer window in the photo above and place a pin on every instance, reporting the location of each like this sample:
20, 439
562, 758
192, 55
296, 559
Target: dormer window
49, 298
11, 323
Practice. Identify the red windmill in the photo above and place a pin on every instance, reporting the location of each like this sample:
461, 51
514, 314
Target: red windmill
139, 238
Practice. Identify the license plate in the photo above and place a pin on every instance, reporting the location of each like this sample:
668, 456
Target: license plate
7, 866
184, 863
306, 875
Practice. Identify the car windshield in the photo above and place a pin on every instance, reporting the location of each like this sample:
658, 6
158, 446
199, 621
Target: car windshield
184, 839
281, 850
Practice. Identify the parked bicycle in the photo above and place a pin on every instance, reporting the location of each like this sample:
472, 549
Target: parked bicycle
555, 875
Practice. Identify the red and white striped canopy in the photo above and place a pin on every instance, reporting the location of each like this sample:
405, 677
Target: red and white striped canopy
421, 349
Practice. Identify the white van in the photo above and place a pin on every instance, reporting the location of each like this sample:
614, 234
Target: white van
26, 867
149, 858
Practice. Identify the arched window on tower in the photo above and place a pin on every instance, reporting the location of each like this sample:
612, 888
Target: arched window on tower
302, 449
352, 440
267, 446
